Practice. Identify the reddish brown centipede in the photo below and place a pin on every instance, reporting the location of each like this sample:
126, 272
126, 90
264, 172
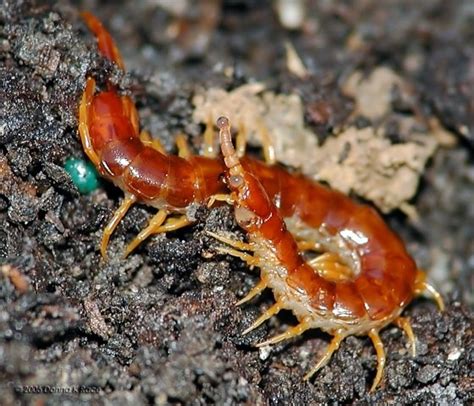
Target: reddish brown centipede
359, 284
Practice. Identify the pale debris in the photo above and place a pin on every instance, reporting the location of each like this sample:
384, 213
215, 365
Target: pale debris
294, 63
291, 13
454, 354
174, 7
372, 94
357, 160
251, 107
364, 162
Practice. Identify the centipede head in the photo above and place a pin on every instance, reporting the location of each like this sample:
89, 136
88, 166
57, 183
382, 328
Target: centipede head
252, 204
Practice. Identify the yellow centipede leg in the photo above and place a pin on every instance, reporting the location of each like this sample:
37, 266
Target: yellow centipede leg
421, 286
220, 197
267, 145
329, 267
209, 149
118, 216
154, 224
256, 290
249, 259
147, 139
240, 245
183, 148
290, 333
333, 346
241, 140
174, 224
404, 324
307, 245
374, 336
436, 295
264, 317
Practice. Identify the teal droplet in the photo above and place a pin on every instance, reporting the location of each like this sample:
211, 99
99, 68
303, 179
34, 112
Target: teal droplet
83, 174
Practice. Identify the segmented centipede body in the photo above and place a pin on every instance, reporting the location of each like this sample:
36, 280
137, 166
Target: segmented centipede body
381, 278
109, 130
362, 279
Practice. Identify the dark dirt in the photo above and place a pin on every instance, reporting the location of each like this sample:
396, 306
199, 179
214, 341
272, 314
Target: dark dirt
161, 326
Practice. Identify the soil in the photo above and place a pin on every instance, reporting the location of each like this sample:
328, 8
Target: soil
161, 327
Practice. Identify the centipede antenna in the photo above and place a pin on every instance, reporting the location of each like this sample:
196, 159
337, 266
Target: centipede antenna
106, 44
230, 156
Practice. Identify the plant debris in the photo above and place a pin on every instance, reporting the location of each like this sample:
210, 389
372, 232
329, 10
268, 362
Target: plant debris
161, 326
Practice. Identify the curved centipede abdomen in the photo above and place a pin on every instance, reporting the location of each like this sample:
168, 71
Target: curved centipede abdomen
382, 277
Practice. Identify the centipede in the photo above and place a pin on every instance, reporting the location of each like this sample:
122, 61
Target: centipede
361, 277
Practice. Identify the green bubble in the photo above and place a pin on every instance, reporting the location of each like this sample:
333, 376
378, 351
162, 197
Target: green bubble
83, 174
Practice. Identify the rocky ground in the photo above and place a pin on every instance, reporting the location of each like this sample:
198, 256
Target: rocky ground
161, 326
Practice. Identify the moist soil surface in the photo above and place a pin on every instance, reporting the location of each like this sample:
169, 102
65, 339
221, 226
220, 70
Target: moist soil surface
161, 326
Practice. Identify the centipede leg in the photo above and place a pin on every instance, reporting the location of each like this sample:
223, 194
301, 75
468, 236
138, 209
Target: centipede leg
374, 336
84, 122
404, 324
425, 286
131, 112
220, 197
264, 317
154, 224
267, 145
333, 346
146, 138
306, 245
183, 148
209, 148
241, 140
290, 333
247, 258
328, 266
173, 224
240, 245
256, 290
118, 216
